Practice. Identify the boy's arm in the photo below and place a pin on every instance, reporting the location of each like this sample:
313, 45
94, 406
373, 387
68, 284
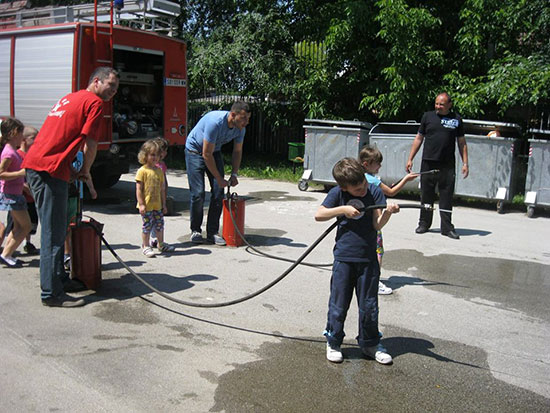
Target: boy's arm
380, 218
140, 197
324, 213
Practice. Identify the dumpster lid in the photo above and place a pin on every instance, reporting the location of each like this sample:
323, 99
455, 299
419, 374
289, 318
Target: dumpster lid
338, 123
396, 128
484, 127
539, 133
471, 127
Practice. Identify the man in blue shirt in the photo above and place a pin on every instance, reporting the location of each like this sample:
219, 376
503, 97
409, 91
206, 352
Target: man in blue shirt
203, 156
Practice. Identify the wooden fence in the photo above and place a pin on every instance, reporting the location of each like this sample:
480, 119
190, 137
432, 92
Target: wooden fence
262, 136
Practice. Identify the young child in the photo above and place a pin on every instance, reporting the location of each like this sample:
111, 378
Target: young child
163, 147
355, 265
151, 197
11, 189
371, 159
29, 133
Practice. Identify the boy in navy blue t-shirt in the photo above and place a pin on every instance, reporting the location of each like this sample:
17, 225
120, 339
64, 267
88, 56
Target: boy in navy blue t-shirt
355, 262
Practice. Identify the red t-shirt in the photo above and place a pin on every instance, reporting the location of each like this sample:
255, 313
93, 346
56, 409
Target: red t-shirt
69, 122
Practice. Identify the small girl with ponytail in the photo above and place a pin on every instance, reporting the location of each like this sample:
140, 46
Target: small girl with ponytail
12, 178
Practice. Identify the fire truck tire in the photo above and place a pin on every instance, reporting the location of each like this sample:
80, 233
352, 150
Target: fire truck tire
105, 181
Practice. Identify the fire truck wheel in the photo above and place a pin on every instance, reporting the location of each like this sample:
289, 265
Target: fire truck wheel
105, 181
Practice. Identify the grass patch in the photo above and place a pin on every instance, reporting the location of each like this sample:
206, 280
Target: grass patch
278, 168
266, 167
261, 166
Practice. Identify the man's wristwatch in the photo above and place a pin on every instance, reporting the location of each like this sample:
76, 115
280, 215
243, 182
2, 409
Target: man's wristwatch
234, 174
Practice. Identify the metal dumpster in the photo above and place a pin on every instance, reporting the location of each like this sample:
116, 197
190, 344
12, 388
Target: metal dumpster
494, 164
326, 142
394, 140
537, 182
494, 158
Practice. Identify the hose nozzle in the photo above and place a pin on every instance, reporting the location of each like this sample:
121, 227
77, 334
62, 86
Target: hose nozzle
430, 172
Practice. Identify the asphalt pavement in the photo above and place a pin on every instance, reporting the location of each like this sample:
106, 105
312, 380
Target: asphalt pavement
468, 323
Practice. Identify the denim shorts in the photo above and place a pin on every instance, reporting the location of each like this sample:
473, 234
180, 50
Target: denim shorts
12, 202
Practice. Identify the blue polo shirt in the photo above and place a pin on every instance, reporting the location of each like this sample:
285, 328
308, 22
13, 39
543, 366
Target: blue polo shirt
214, 128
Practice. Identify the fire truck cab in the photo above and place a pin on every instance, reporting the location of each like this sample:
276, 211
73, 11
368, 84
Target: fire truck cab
40, 63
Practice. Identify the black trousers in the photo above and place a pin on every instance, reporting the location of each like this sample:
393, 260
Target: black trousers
444, 181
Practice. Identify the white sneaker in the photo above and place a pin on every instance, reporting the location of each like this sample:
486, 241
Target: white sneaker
148, 252
216, 239
384, 289
379, 353
334, 354
196, 238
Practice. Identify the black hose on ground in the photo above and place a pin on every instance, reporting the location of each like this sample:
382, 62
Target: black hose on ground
256, 293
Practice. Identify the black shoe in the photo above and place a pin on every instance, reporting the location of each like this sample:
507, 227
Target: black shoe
421, 229
64, 300
73, 286
30, 249
451, 234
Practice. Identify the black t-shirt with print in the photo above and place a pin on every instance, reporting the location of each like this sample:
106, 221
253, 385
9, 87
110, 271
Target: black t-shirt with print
440, 135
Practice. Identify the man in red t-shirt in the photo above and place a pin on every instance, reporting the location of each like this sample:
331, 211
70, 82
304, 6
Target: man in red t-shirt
72, 124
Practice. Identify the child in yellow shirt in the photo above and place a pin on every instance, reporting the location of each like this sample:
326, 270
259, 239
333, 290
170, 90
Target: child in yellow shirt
151, 198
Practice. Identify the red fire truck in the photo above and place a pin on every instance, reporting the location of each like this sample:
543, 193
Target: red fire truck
41, 61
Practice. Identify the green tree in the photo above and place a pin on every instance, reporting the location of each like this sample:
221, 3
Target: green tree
251, 56
373, 60
510, 64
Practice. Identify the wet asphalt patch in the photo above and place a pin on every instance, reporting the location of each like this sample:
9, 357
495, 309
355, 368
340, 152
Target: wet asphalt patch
427, 375
512, 284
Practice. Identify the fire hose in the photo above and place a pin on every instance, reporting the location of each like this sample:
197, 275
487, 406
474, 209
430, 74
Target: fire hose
231, 197
261, 290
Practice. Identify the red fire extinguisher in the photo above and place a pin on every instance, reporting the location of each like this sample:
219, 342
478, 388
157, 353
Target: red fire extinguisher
233, 206
86, 248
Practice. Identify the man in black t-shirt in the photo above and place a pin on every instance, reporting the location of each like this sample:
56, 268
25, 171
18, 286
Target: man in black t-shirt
439, 130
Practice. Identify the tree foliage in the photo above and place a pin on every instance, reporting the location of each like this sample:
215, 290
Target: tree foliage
372, 60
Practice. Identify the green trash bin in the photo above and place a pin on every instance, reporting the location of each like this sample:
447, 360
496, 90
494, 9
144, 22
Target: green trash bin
296, 152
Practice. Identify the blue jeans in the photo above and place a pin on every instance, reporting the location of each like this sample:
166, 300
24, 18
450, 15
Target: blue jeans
196, 168
363, 278
50, 195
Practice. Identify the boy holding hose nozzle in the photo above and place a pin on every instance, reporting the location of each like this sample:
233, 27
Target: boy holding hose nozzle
355, 263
